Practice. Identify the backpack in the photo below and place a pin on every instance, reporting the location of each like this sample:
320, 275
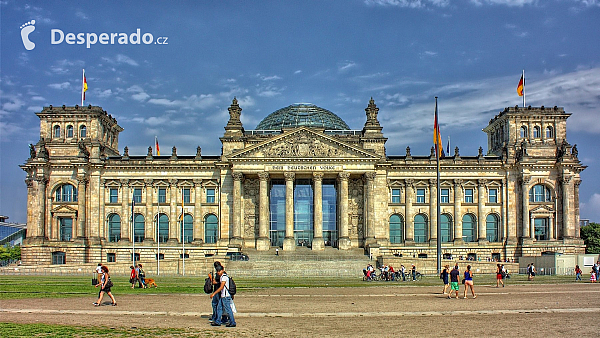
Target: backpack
208, 286
232, 288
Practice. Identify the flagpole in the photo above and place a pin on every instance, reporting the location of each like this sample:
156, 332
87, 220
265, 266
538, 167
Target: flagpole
132, 225
439, 228
82, 87
158, 244
523, 88
183, 229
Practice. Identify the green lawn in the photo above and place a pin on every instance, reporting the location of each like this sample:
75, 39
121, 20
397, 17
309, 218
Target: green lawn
59, 331
12, 287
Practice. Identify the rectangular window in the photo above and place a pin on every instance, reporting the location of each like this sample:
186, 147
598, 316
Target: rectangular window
395, 195
186, 195
65, 228
113, 195
468, 195
445, 196
111, 257
210, 195
420, 195
58, 257
137, 195
493, 196
162, 195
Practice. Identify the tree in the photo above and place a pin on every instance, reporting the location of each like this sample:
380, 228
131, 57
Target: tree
591, 237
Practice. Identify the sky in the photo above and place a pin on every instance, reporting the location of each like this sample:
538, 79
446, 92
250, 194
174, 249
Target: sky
270, 54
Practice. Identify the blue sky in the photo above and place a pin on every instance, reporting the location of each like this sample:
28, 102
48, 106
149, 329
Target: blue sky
269, 54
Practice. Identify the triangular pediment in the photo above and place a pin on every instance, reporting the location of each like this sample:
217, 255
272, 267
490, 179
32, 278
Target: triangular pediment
64, 209
303, 143
542, 209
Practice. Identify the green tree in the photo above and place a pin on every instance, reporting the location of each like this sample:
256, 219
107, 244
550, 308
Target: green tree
591, 237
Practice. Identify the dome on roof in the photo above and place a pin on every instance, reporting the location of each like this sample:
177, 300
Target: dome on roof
302, 114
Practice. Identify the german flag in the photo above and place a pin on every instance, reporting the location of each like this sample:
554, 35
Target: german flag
521, 85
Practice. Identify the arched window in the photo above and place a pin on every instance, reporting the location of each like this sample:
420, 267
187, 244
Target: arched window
446, 228
396, 226
188, 225
491, 228
536, 132
549, 132
66, 193
82, 131
210, 229
523, 132
469, 228
163, 228
114, 228
139, 227
540, 193
69, 131
420, 228
57, 131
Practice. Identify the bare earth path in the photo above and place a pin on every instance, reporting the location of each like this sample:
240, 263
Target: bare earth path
527, 310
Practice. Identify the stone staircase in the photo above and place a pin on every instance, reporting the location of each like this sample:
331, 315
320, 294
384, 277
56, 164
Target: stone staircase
301, 262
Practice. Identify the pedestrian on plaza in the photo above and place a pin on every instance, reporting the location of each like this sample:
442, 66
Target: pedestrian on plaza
444, 277
454, 281
593, 276
499, 276
413, 272
276, 251
215, 301
141, 276
532, 271
577, 273
132, 277
105, 285
403, 272
469, 282
225, 301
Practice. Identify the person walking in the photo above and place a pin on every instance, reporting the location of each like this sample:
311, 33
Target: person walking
413, 272
132, 277
499, 276
444, 277
223, 290
577, 273
469, 282
216, 300
454, 281
105, 285
532, 271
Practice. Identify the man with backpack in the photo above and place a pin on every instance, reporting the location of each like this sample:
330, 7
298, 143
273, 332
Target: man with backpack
226, 298
216, 300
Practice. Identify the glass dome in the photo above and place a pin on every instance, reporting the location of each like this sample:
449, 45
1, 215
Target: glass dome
302, 114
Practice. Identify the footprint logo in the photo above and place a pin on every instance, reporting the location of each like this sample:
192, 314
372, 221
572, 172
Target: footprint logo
26, 29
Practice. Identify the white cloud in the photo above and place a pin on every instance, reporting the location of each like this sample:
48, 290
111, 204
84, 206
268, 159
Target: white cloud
510, 3
409, 3
38, 98
60, 86
298, 71
119, 59
344, 66
271, 78
591, 209
81, 15
13, 105
269, 91
138, 93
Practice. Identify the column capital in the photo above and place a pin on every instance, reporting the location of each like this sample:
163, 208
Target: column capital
370, 175
148, 182
432, 181
577, 183
237, 176
566, 179
197, 182
173, 182
482, 182
82, 179
43, 180
525, 179
458, 182
289, 176
124, 181
29, 182
409, 182
263, 176
344, 176
318, 176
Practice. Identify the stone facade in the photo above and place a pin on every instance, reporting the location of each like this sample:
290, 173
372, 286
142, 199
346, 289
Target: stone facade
521, 198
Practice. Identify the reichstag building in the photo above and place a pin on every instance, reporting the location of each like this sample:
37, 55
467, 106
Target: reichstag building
302, 178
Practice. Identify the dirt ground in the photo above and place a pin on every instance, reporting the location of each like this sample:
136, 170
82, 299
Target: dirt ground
389, 311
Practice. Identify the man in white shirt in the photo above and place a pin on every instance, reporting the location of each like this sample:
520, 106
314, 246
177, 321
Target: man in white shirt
226, 301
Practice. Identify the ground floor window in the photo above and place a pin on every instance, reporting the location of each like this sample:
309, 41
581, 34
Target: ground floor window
111, 257
469, 228
114, 228
446, 228
139, 228
491, 228
160, 256
163, 228
420, 227
210, 229
59, 257
188, 228
396, 226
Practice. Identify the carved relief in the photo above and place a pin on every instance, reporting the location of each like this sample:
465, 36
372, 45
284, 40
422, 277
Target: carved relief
356, 208
304, 145
251, 207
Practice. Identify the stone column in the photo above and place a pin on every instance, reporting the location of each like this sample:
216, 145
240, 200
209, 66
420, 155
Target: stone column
551, 234
41, 182
318, 242
503, 216
289, 242
576, 185
102, 211
458, 229
237, 209
409, 221
568, 227
433, 212
263, 243
525, 197
81, 212
173, 219
125, 231
482, 226
149, 231
370, 189
344, 240
198, 224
